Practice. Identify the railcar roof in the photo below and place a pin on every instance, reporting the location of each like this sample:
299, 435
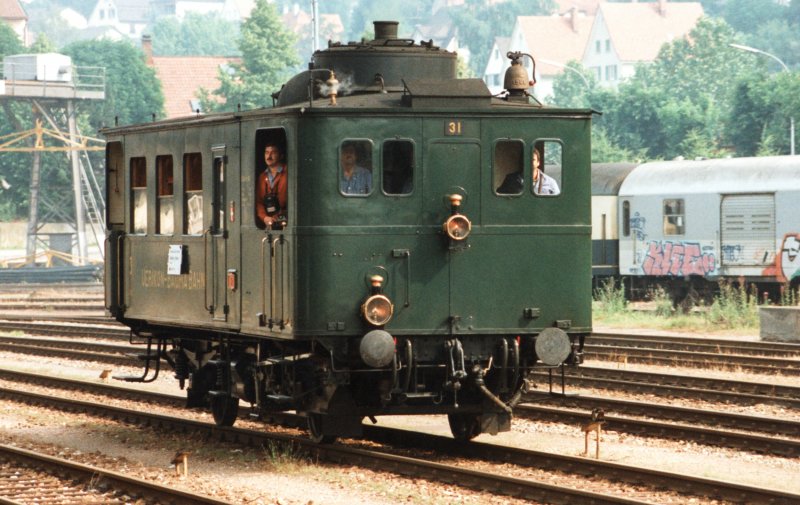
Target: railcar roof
355, 104
730, 175
608, 177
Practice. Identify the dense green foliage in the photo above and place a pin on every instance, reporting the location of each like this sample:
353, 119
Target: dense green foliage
133, 93
700, 98
13, 166
268, 56
9, 42
195, 35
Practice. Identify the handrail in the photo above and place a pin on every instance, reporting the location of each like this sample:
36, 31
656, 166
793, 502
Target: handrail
272, 269
264, 276
210, 308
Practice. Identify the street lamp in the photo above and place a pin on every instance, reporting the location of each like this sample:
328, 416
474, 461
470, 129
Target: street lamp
561, 65
759, 51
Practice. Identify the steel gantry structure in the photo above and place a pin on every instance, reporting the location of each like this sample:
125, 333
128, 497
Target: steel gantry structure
53, 96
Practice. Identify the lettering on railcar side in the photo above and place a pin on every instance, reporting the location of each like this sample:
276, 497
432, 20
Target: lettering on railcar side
159, 279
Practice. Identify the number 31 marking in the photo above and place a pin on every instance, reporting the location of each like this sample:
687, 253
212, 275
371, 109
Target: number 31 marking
453, 128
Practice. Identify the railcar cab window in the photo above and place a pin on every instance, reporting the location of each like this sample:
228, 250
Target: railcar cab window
673, 217
272, 176
546, 162
509, 171
139, 194
165, 202
192, 194
355, 167
398, 167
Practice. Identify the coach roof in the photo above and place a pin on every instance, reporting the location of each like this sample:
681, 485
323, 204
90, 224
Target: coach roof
730, 175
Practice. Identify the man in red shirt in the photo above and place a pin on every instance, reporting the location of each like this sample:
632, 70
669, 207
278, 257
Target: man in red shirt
271, 189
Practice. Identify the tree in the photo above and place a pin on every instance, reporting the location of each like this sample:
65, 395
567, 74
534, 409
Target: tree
680, 101
479, 22
761, 113
9, 42
133, 93
43, 45
408, 13
574, 86
268, 56
195, 35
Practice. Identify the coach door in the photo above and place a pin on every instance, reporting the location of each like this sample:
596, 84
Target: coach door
216, 240
453, 167
747, 230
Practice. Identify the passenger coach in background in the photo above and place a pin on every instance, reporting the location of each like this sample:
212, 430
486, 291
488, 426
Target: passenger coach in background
424, 292
685, 225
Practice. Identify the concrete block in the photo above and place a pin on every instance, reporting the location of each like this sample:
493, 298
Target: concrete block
780, 324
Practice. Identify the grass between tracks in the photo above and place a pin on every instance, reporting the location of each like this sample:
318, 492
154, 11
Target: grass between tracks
732, 308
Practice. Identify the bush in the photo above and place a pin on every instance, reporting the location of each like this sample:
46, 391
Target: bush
733, 308
611, 298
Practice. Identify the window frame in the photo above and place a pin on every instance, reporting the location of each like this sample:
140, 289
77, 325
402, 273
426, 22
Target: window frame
560, 180
679, 216
165, 192
138, 187
522, 159
189, 191
413, 144
339, 170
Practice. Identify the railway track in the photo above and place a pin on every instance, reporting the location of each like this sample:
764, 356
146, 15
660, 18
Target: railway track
32, 477
783, 359
576, 410
681, 386
697, 344
438, 445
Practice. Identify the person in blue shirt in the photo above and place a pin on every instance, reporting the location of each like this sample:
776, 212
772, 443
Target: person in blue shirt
543, 184
354, 179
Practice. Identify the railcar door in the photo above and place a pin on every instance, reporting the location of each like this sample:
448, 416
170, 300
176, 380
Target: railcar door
453, 167
216, 240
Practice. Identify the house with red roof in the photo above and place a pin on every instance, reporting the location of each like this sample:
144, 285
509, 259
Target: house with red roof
627, 34
12, 13
551, 40
182, 78
610, 43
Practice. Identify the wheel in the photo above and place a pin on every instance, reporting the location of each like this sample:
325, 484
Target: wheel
225, 409
315, 430
464, 427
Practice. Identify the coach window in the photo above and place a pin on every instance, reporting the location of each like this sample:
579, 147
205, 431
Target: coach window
192, 194
546, 157
673, 217
398, 167
139, 194
355, 167
218, 199
626, 218
509, 170
165, 225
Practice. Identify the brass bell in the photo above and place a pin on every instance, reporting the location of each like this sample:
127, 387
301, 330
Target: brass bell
516, 78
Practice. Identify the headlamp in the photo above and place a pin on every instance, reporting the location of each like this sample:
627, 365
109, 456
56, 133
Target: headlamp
377, 310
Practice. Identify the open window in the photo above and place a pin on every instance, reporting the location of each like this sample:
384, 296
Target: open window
139, 194
398, 167
546, 162
165, 200
509, 172
673, 217
192, 194
272, 179
355, 167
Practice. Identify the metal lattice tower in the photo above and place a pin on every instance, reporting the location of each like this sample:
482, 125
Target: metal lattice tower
52, 94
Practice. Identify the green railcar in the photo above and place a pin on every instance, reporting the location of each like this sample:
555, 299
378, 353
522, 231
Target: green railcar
434, 289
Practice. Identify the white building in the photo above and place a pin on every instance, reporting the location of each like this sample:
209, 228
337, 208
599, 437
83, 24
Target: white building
626, 34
